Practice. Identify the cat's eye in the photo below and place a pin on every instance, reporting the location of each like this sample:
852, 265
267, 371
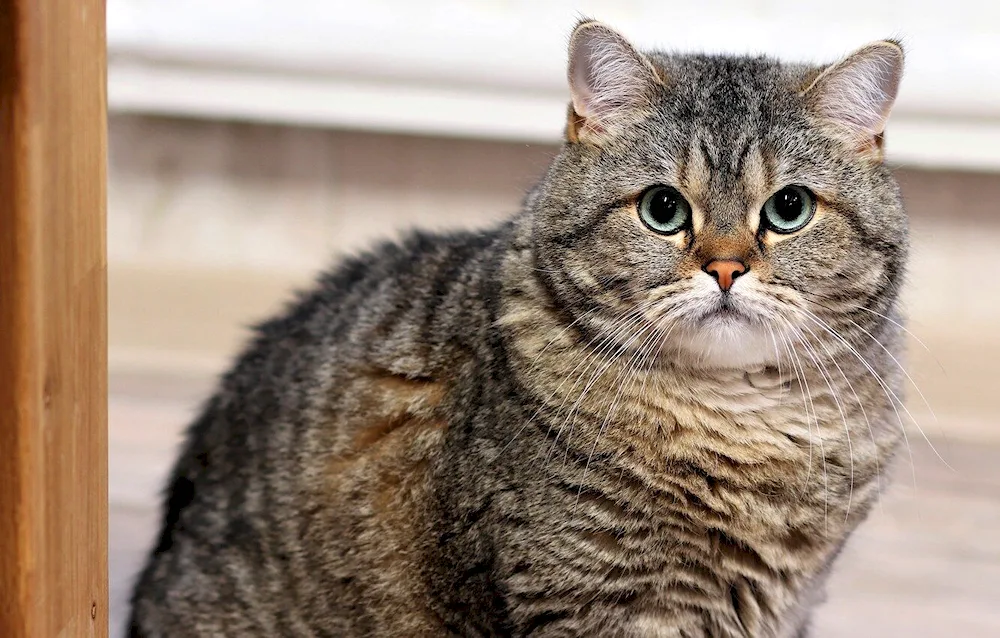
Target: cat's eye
788, 210
664, 210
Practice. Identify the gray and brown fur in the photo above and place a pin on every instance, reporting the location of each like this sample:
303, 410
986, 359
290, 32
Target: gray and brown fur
534, 429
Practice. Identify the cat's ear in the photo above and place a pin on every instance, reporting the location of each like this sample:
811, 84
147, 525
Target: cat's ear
610, 82
857, 93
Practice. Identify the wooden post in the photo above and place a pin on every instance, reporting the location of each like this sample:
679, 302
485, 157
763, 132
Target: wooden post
53, 326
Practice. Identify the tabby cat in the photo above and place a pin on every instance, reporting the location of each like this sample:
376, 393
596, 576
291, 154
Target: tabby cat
655, 402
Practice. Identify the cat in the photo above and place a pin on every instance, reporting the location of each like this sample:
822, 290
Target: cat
654, 402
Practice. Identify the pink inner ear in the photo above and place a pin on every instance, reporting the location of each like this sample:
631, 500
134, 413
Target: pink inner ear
859, 92
606, 75
583, 80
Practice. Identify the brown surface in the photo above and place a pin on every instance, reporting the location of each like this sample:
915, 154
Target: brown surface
53, 330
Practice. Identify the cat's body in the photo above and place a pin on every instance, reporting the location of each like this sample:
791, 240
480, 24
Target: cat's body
491, 434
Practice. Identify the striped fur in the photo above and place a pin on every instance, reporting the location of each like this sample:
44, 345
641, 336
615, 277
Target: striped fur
545, 428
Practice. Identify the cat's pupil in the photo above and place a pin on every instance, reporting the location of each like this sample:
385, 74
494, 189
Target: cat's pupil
663, 208
789, 204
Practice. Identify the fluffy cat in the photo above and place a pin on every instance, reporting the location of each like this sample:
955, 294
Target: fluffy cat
656, 402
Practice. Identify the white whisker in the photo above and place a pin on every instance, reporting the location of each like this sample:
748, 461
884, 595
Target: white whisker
843, 415
864, 413
822, 450
889, 394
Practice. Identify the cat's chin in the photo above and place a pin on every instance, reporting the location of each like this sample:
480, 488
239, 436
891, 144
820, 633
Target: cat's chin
726, 340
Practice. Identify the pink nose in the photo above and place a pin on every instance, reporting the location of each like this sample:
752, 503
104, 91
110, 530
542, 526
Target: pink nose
725, 271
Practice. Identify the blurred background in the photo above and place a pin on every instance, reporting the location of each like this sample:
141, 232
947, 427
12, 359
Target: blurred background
253, 141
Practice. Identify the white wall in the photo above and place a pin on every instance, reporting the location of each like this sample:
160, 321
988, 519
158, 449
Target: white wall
494, 68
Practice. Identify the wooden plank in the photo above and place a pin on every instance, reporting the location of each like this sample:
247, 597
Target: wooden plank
53, 326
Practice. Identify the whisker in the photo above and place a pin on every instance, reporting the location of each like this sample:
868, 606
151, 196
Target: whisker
777, 355
919, 341
822, 324
813, 298
902, 368
847, 430
889, 394
805, 406
627, 322
864, 413
574, 410
644, 349
600, 339
607, 344
534, 362
822, 450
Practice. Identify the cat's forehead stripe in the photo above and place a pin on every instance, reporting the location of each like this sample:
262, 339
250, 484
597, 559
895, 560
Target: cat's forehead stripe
741, 158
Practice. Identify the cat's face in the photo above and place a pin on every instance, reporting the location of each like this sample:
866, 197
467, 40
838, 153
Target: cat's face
719, 207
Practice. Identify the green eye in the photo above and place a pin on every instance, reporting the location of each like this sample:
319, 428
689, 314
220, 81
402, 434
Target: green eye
664, 210
788, 210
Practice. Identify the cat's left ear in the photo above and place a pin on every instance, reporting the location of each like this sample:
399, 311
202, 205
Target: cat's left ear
857, 93
611, 83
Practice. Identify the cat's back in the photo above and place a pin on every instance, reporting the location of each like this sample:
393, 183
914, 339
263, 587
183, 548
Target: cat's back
392, 310
288, 492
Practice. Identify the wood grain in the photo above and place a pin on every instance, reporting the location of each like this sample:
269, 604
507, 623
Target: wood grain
53, 326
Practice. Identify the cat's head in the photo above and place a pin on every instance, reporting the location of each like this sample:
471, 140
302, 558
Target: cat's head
716, 206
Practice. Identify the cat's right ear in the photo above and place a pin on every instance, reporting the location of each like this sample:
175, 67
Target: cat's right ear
610, 82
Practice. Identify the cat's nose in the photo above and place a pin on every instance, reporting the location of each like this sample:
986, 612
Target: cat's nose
725, 271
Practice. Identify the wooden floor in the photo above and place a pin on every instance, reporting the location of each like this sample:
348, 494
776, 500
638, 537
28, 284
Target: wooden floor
926, 564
